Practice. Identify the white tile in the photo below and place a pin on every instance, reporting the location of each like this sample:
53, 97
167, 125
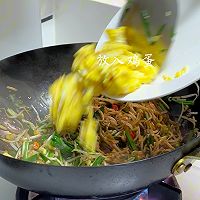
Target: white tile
118, 3
46, 8
20, 26
81, 21
48, 33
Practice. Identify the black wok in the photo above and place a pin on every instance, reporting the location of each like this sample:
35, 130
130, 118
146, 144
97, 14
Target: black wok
32, 72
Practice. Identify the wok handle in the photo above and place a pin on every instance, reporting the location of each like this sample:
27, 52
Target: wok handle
185, 163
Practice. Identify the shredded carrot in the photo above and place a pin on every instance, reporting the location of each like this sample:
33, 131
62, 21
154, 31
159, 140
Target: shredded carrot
36, 145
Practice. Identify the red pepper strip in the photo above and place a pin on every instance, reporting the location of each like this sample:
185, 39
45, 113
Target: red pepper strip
132, 134
115, 107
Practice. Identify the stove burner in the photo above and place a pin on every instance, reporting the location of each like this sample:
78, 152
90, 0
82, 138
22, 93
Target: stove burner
168, 189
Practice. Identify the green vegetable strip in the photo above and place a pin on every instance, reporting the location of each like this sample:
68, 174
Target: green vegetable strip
11, 112
161, 29
45, 125
44, 138
149, 140
51, 160
163, 50
54, 162
130, 141
31, 131
77, 162
98, 161
58, 142
146, 24
172, 33
50, 154
32, 158
184, 102
45, 158
129, 3
25, 148
102, 108
162, 106
97, 114
159, 32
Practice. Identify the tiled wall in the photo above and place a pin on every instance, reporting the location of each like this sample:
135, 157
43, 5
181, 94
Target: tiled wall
81, 21
118, 3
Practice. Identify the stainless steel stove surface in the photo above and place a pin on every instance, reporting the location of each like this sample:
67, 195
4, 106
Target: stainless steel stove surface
165, 190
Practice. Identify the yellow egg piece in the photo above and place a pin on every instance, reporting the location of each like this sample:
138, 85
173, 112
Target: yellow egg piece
181, 72
88, 135
71, 104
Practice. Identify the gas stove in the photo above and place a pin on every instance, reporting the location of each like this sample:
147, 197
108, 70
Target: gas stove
164, 190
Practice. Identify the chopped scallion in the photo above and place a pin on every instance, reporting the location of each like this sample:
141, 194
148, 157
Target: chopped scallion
64, 147
146, 24
98, 161
130, 141
162, 106
161, 29
25, 148
32, 158
183, 101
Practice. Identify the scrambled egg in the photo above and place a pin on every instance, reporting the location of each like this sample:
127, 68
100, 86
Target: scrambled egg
116, 70
69, 102
177, 74
167, 78
181, 72
88, 135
